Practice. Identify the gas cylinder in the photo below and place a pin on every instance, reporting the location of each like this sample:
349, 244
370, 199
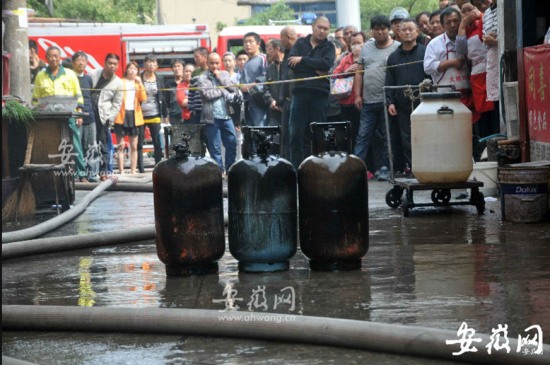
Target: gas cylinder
261, 191
188, 202
441, 139
333, 201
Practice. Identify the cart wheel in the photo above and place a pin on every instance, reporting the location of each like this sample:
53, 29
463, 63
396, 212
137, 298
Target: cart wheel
441, 196
405, 206
393, 197
478, 199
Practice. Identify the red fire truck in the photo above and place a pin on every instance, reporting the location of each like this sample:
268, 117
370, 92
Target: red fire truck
231, 38
129, 41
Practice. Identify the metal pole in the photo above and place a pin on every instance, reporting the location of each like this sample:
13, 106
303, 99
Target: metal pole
160, 16
388, 137
347, 13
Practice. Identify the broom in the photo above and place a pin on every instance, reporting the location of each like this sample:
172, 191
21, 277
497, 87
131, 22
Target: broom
27, 203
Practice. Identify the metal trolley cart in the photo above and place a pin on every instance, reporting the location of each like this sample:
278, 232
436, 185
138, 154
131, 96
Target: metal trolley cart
441, 192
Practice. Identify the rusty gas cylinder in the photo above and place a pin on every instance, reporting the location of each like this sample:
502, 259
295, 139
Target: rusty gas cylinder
262, 205
188, 202
333, 201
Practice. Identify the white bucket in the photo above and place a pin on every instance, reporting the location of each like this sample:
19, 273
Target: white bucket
486, 172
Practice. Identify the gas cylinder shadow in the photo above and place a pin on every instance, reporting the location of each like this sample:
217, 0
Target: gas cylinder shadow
270, 292
193, 291
336, 294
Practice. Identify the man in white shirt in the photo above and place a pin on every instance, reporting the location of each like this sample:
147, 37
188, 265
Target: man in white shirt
441, 61
444, 65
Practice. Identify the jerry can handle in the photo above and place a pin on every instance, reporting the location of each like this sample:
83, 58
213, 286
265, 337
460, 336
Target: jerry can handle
445, 110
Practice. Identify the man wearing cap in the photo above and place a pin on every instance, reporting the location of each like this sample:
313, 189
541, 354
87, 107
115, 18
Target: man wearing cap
397, 15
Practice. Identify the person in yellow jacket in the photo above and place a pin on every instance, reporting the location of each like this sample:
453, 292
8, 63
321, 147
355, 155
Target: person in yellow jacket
56, 80
130, 118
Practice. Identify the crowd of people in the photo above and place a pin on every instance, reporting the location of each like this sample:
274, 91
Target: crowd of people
291, 85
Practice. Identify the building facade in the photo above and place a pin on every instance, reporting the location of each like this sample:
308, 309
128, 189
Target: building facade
300, 7
205, 12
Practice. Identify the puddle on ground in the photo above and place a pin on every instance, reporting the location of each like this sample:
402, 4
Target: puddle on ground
437, 268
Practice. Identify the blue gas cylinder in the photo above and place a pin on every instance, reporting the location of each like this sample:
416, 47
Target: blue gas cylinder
261, 192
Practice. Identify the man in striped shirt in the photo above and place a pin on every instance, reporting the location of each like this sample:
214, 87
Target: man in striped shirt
490, 28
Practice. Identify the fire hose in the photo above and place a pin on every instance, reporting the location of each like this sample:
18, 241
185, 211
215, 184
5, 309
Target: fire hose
50, 225
364, 335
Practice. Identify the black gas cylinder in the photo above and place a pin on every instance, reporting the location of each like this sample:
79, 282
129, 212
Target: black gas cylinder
333, 201
261, 192
188, 202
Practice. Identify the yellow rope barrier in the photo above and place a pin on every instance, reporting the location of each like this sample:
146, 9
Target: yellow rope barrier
280, 81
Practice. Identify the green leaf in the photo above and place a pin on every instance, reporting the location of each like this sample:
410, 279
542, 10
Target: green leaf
16, 112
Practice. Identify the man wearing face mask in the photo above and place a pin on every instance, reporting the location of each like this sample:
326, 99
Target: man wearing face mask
347, 67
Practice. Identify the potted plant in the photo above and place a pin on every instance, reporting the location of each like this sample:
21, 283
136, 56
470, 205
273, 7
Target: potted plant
16, 120
16, 112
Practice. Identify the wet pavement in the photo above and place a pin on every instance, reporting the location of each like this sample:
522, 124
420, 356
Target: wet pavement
437, 268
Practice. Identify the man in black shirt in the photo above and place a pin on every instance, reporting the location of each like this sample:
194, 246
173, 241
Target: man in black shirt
88, 130
310, 56
405, 67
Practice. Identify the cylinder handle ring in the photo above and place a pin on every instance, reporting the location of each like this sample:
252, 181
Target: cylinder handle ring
445, 110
